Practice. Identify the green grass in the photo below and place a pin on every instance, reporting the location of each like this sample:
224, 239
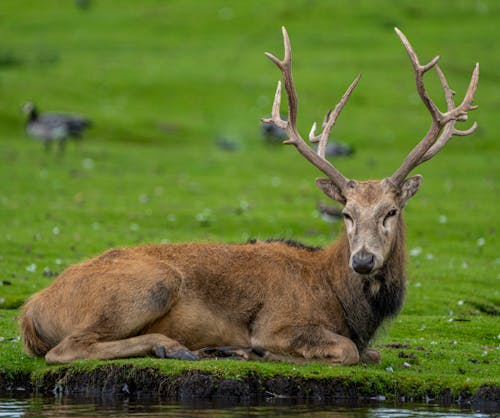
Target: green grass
162, 81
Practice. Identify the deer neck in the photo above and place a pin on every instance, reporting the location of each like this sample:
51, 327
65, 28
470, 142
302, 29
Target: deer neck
367, 301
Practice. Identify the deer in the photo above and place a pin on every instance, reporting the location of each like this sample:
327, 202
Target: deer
270, 300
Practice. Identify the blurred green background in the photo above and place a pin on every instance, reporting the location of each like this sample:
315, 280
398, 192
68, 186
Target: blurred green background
165, 82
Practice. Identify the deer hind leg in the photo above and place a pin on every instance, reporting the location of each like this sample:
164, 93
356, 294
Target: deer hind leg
138, 292
300, 344
88, 346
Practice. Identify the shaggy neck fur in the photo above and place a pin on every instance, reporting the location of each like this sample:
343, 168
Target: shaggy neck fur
368, 300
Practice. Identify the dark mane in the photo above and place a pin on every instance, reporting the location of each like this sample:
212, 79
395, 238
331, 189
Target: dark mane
365, 311
289, 242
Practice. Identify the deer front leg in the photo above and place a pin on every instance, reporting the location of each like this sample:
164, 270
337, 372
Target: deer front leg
298, 344
370, 356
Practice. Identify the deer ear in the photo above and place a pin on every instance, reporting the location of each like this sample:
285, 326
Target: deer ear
331, 190
409, 187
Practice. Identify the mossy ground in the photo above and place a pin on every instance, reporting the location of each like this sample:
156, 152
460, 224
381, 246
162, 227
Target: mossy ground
163, 82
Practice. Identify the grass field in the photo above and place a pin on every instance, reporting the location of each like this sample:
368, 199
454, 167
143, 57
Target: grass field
163, 82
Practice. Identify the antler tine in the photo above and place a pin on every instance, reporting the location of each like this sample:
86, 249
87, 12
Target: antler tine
461, 110
420, 70
449, 130
443, 124
290, 126
312, 133
285, 67
330, 119
275, 114
448, 92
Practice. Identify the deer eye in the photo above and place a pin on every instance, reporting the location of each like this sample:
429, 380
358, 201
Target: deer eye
390, 214
347, 217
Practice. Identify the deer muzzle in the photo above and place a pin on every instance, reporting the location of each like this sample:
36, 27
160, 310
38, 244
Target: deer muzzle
363, 262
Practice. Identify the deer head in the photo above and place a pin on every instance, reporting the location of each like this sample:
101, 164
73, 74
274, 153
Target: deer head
372, 209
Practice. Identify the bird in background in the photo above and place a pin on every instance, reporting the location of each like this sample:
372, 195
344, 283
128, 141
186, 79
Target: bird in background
51, 127
274, 135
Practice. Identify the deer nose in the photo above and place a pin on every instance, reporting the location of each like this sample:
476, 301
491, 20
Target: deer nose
363, 262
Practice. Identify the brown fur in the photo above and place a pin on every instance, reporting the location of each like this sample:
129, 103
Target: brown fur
293, 302
282, 299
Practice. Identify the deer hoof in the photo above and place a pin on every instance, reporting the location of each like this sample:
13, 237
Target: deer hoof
370, 356
181, 354
160, 352
233, 353
259, 351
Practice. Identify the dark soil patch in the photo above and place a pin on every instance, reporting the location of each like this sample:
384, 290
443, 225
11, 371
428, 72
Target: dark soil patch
15, 382
192, 384
130, 380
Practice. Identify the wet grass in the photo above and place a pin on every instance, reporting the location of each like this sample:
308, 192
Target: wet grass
163, 82
426, 365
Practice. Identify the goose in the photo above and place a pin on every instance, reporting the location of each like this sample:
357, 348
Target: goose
53, 126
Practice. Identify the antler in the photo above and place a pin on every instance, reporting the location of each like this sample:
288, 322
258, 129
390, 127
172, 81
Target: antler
443, 124
330, 119
290, 125
449, 129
